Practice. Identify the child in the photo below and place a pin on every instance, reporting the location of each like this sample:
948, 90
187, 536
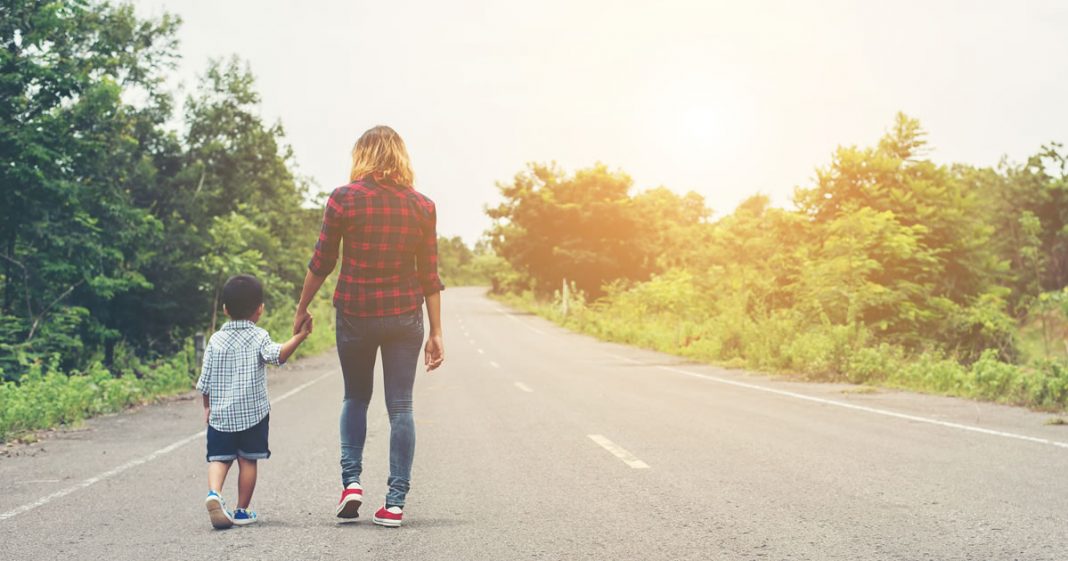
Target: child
234, 383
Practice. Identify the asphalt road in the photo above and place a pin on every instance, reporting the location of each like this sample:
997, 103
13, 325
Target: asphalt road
537, 443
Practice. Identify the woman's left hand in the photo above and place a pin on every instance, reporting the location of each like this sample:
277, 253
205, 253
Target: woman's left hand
299, 318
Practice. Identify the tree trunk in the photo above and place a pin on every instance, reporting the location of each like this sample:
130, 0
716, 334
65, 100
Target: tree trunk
9, 289
214, 307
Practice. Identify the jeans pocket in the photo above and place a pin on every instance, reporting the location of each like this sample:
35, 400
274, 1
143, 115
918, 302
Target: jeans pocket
416, 322
345, 329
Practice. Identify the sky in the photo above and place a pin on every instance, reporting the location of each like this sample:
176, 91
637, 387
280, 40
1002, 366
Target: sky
727, 99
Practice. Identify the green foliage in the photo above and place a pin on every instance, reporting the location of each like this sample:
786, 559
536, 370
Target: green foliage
459, 265
48, 396
583, 227
892, 270
118, 230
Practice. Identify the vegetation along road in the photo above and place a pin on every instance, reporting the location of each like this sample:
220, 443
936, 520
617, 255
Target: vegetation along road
537, 443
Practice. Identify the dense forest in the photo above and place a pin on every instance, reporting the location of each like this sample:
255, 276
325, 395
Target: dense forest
124, 210
889, 269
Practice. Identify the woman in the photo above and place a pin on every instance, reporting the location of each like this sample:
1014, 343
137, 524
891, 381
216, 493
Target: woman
389, 268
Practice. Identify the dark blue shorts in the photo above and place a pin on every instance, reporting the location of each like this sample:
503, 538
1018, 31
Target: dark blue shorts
250, 444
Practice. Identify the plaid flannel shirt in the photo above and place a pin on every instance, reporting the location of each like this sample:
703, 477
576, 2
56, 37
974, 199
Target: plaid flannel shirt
234, 376
390, 257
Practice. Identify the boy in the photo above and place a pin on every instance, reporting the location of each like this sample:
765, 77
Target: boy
234, 383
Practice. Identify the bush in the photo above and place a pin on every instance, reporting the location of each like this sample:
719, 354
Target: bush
664, 314
47, 397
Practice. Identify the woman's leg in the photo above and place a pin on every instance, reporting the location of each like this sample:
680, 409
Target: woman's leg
400, 357
357, 348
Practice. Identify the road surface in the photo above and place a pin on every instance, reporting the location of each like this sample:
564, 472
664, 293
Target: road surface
537, 443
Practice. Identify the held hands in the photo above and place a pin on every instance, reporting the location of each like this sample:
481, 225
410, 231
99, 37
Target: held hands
299, 320
306, 326
435, 352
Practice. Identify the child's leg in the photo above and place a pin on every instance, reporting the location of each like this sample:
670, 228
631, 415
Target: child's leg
246, 481
217, 475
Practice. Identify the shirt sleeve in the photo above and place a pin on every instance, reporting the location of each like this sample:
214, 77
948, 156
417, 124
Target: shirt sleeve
326, 249
205, 371
426, 257
269, 350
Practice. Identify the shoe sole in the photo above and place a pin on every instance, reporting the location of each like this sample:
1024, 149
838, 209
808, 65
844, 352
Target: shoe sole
349, 508
219, 519
386, 522
245, 522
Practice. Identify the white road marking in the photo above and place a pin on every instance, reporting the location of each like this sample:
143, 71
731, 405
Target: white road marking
520, 322
524, 387
866, 409
134, 463
624, 358
494, 364
481, 352
618, 452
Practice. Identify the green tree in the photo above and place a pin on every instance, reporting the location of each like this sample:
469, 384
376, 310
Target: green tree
583, 227
71, 237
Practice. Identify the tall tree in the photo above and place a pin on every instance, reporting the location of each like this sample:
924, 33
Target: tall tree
71, 238
584, 228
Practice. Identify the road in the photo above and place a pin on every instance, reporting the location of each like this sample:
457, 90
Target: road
537, 443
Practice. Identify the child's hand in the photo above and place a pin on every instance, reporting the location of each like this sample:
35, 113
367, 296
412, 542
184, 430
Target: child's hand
306, 327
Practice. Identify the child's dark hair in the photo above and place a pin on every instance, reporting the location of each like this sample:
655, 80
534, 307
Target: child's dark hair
242, 296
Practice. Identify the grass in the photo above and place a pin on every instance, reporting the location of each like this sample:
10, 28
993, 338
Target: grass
47, 397
861, 390
797, 347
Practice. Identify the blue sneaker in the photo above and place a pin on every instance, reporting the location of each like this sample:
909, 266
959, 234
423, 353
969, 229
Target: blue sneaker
221, 518
244, 517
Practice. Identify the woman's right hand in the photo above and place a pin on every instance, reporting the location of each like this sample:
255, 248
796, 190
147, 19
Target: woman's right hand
435, 352
299, 318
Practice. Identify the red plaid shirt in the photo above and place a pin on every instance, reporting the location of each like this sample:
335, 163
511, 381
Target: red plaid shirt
390, 260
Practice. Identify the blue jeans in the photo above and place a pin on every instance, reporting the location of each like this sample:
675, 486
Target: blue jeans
358, 341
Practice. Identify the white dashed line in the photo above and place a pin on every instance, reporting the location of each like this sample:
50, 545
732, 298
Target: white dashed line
524, 387
133, 463
866, 409
521, 322
494, 364
618, 452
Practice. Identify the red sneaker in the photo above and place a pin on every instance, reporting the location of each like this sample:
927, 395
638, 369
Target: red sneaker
390, 517
351, 499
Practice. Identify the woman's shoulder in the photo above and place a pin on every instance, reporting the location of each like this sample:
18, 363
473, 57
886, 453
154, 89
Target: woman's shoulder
422, 199
353, 189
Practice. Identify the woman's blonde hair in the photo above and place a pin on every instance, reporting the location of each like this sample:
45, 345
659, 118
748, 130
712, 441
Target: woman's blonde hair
381, 152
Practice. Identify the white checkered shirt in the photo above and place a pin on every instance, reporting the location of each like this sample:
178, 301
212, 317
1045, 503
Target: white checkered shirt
234, 376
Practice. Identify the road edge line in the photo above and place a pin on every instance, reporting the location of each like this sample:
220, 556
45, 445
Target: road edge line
133, 463
866, 409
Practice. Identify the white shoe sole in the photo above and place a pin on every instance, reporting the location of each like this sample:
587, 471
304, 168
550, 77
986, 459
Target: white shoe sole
386, 522
219, 518
245, 522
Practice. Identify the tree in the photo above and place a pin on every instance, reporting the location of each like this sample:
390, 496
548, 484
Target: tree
71, 238
584, 227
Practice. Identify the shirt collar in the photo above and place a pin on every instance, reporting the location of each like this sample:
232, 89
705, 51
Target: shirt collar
238, 324
384, 182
